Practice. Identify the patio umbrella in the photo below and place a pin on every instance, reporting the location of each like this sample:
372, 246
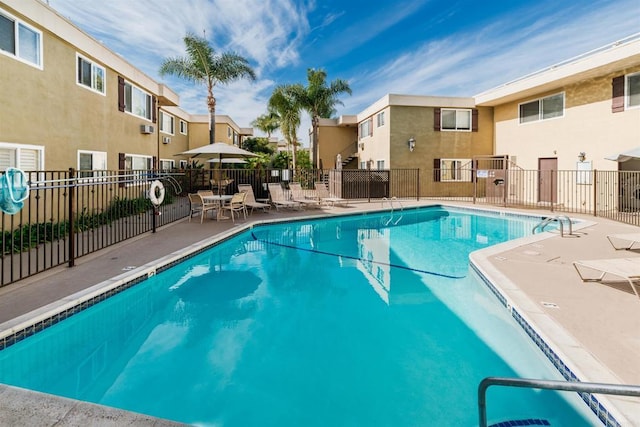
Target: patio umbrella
625, 155
219, 151
228, 161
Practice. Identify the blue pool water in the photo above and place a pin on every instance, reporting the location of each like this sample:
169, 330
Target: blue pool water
370, 320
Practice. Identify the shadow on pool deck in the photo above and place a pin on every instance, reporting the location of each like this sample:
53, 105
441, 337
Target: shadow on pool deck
595, 326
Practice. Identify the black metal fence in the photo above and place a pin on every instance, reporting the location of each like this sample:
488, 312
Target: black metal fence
67, 216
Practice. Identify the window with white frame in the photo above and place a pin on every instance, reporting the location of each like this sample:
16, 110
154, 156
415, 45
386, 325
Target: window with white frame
137, 101
183, 127
166, 123
228, 132
21, 156
91, 164
454, 119
542, 109
632, 90
19, 40
380, 164
365, 129
455, 170
363, 165
380, 119
90, 75
166, 164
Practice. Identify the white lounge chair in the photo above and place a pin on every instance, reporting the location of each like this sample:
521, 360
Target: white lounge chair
327, 198
628, 241
250, 199
298, 195
279, 199
600, 270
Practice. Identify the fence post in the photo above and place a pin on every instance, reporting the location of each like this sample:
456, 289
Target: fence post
595, 192
369, 185
551, 192
72, 233
418, 186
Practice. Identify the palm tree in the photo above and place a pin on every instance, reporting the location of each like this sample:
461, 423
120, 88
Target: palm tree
267, 123
319, 100
203, 65
283, 102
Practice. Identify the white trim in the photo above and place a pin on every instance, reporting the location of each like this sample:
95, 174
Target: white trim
470, 111
95, 175
626, 91
161, 123
17, 147
93, 65
186, 127
127, 82
16, 56
540, 112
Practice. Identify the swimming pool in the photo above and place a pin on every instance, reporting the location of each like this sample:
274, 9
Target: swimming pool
372, 320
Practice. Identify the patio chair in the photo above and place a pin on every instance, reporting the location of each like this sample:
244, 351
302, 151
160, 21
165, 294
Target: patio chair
327, 198
627, 269
250, 198
198, 205
236, 205
279, 199
628, 241
205, 193
298, 195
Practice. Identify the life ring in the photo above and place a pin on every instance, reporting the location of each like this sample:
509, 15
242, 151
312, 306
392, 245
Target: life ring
156, 193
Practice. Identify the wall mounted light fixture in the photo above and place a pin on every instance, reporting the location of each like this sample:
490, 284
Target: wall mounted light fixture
412, 144
582, 156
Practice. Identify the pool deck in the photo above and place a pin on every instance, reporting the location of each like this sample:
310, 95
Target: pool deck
594, 327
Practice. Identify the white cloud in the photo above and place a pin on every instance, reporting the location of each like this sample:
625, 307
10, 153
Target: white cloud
464, 64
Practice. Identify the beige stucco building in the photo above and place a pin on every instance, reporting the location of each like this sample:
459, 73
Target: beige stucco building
69, 102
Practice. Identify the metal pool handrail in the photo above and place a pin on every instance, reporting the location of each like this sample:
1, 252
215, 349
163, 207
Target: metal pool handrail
583, 387
559, 219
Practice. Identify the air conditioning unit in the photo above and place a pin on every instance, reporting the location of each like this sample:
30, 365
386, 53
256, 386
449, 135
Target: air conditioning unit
361, 145
146, 129
166, 140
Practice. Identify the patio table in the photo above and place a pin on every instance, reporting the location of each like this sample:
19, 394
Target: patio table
220, 200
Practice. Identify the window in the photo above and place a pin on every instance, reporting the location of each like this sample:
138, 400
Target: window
20, 40
166, 123
90, 75
166, 164
183, 127
137, 162
454, 169
542, 109
455, 119
137, 102
25, 157
228, 132
183, 164
380, 164
380, 119
365, 128
632, 90
363, 165
91, 163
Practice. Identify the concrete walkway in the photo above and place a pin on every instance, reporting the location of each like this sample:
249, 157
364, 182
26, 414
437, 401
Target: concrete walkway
596, 326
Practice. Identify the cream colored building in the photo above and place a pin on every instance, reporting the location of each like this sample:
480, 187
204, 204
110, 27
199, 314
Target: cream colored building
589, 104
69, 102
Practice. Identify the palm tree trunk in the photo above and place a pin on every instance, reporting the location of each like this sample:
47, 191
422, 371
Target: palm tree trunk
211, 103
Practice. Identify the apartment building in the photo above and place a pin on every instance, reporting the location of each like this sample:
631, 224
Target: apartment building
69, 102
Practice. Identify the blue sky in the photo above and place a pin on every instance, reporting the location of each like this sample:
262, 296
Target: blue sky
417, 47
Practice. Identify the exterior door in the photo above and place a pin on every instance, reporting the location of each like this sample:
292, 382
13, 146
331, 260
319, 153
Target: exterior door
548, 180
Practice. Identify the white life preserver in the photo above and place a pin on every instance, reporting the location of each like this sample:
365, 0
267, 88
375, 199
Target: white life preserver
156, 193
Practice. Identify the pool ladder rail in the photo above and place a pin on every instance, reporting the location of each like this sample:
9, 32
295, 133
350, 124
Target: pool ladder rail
585, 389
391, 202
560, 219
